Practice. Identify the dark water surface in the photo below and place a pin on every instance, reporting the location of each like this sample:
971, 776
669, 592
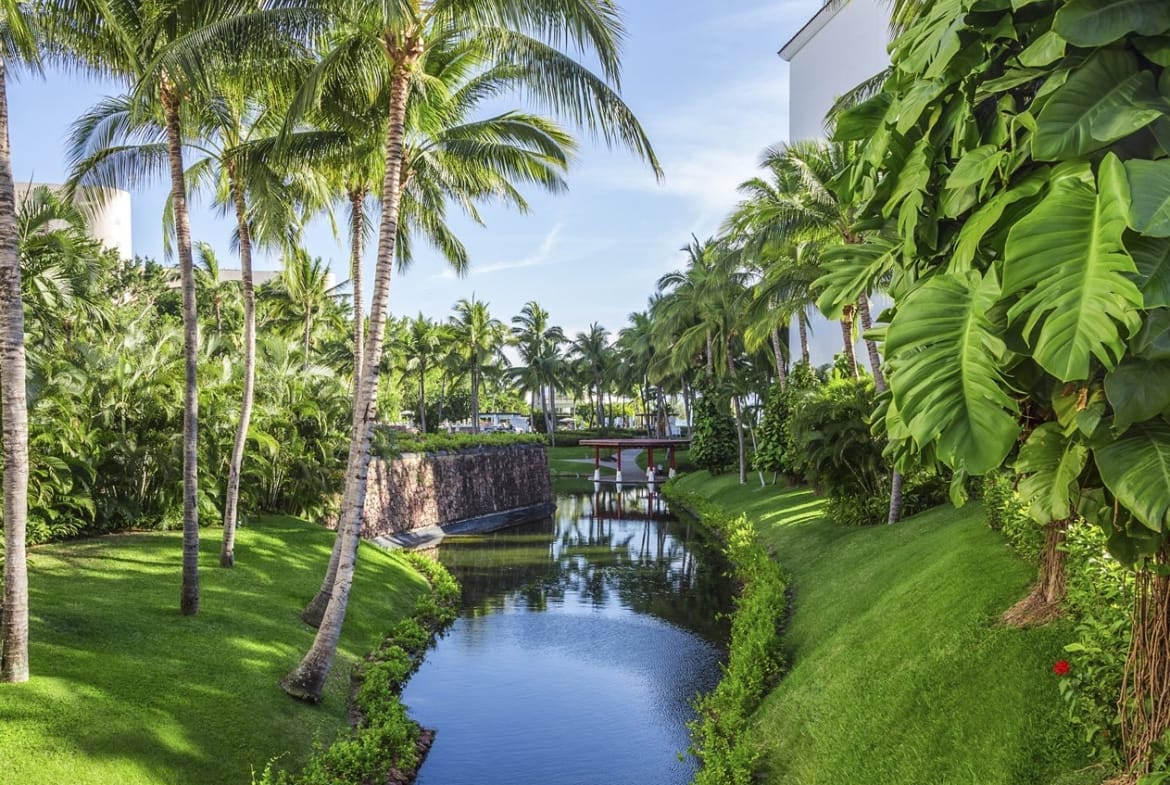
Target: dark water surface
583, 639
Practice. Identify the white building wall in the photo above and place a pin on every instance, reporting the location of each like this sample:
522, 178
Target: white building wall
108, 219
837, 50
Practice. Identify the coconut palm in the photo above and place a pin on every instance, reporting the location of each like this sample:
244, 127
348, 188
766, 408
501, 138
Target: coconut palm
17, 42
424, 342
479, 340
163, 54
385, 44
593, 352
539, 343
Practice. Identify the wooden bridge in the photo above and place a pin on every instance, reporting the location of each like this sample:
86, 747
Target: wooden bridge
634, 474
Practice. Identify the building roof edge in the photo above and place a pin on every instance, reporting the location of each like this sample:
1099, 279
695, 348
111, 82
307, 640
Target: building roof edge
810, 29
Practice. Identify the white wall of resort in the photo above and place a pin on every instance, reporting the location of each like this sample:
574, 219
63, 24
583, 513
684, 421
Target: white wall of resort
109, 218
839, 48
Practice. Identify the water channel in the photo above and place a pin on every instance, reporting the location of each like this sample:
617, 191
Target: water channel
582, 641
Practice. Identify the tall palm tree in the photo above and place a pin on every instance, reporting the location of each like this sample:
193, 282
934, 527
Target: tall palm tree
479, 339
162, 54
386, 43
593, 351
424, 342
18, 43
539, 343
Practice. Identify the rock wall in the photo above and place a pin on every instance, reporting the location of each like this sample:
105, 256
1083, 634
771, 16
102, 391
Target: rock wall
416, 490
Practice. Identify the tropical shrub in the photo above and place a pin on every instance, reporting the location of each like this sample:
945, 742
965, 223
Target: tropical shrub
1007, 512
713, 446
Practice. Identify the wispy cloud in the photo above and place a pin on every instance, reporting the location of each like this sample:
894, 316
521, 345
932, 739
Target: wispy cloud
541, 256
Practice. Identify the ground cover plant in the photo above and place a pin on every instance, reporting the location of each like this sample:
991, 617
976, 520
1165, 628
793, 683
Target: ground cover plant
899, 670
129, 691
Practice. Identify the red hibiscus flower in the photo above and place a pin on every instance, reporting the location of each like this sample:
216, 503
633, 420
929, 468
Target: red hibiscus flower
1060, 667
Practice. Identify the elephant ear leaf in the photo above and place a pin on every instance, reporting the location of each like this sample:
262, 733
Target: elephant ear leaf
1136, 470
943, 356
1095, 23
1051, 463
1066, 261
1106, 99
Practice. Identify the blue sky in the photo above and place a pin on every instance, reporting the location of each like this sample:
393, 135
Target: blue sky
706, 82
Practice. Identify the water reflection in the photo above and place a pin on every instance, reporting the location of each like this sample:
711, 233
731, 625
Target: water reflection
606, 550
582, 641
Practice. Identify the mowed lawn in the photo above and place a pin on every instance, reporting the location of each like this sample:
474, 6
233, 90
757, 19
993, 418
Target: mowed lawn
900, 670
125, 690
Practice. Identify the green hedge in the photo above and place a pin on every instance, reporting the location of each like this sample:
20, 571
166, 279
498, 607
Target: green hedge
721, 737
384, 740
389, 443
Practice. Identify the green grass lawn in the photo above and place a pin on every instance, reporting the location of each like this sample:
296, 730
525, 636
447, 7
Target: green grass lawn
126, 690
900, 670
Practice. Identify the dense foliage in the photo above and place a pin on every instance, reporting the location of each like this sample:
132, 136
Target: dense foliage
713, 445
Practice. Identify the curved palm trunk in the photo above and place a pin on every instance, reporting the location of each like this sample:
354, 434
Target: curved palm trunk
227, 554
802, 329
189, 598
778, 356
879, 382
847, 340
315, 610
14, 412
308, 678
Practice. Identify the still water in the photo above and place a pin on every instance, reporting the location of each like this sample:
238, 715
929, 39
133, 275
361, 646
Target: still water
582, 640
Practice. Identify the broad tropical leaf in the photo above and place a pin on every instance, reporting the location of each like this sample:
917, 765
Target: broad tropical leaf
1099, 22
1067, 263
1138, 391
1152, 257
1149, 196
944, 357
1136, 469
1106, 99
1050, 463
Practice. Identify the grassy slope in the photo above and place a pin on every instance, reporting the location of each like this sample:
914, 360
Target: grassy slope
900, 671
578, 460
125, 690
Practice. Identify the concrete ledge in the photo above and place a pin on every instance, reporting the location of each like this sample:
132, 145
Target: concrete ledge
430, 536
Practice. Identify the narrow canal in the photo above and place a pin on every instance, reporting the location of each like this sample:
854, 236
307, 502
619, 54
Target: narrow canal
582, 640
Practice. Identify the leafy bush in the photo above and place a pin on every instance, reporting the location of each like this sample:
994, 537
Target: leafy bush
1008, 514
714, 446
721, 737
390, 443
385, 738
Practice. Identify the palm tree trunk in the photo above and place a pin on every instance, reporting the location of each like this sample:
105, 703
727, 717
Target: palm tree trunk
227, 554
738, 423
879, 383
307, 679
14, 413
847, 338
357, 199
422, 397
189, 597
308, 336
710, 357
778, 355
475, 396
802, 328
600, 403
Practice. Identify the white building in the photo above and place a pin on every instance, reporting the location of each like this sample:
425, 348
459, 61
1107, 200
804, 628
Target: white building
843, 45
108, 218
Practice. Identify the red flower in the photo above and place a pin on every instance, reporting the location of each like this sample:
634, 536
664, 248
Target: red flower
1060, 667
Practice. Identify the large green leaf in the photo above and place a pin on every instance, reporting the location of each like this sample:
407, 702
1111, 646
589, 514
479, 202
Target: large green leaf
1149, 196
1152, 257
1136, 469
983, 222
1045, 50
1138, 391
943, 367
1067, 263
1106, 99
1051, 464
1090, 23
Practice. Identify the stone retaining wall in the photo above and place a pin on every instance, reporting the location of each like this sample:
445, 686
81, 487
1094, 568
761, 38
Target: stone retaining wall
417, 490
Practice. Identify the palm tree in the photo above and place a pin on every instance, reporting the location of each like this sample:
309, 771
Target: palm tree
163, 55
479, 339
424, 342
386, 43
592, 350
539, 343
19, 42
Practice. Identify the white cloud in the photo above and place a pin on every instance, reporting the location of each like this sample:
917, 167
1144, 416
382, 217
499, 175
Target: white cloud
540, 257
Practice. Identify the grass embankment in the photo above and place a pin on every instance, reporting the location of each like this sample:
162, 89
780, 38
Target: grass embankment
577, 462
125, 690
899, 670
